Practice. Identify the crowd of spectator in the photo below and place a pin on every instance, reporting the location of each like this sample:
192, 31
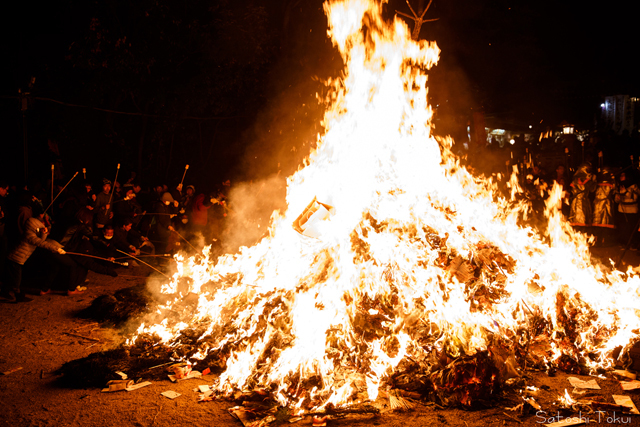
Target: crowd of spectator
602, 202
52, 235
52, 239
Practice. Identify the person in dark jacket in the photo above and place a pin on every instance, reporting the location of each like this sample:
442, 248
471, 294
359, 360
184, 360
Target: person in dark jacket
187, 199
627, 195
104, 243
127, 239
103, 207
78, 239
164, 212
127, 207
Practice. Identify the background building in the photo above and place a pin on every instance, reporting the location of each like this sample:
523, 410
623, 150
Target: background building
619, 113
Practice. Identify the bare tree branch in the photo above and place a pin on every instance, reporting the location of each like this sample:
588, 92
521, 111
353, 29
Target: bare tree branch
425, 9
412, 11
405, 14
417, 20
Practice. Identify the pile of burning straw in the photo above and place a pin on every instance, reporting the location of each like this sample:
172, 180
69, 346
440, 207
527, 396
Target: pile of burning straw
411, 277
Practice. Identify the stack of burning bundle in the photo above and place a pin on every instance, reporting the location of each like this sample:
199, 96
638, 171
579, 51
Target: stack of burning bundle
415, 276
393, 334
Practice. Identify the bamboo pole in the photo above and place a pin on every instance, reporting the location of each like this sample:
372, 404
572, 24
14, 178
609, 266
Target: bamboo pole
183, 175
97, 257
150, 256
113, 187
58, 195
52, 178
148, 265
188, 243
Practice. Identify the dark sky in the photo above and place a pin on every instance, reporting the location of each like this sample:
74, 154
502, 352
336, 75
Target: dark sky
522, 61
541, 58
516, 55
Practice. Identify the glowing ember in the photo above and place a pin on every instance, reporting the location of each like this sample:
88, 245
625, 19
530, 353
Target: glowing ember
566, 401
420, 278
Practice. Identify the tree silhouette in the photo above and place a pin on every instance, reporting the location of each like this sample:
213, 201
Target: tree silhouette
417, 18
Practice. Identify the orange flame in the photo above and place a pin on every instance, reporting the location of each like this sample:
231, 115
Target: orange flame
419, 255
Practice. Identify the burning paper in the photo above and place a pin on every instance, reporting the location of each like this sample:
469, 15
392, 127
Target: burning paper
422, 278
11, 371
190, 375
630, 385
309, 221
624, 374
626, 402
138, 386
578, 383
170, 394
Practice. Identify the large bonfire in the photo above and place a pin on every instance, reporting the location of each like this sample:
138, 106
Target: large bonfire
410, 274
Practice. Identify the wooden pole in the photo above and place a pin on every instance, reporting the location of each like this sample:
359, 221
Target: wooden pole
139, 260
58, 195
149, 256
52, 178
97, 257
186, 168
113, 188
188, 243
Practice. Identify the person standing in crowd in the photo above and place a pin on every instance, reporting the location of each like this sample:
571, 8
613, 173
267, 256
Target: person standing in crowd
85, 197
603, 221
128, 207
187, 198
35, 236
199, 214
533, 189
561, 179
583, 184
626, 197
78, 240
103, 211
117, 191
164, 211
75, 199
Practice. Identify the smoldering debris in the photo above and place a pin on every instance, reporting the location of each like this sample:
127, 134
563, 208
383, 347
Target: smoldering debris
123, 305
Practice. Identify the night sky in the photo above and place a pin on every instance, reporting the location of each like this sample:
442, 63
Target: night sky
551, 60
521, 62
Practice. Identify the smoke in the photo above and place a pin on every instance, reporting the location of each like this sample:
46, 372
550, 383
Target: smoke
286, 130
251, 205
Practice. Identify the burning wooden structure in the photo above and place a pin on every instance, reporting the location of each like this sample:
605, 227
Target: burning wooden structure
420, 280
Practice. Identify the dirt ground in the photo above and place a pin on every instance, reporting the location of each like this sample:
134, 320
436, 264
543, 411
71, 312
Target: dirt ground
41, 335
